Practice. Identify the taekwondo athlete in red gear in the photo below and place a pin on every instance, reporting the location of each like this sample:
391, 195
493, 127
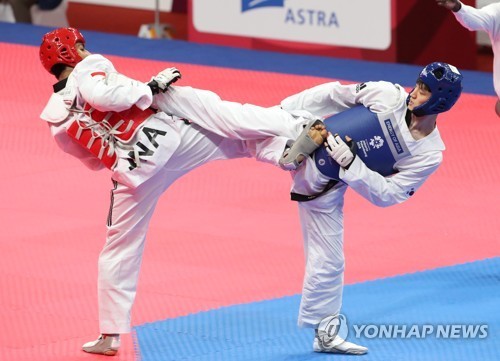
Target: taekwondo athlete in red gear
105, 119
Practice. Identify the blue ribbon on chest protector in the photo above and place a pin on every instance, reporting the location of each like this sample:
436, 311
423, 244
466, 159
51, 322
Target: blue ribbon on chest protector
377, 135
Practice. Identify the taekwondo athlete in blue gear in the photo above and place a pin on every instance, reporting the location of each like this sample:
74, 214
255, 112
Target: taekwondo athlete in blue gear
412, 118
322, 216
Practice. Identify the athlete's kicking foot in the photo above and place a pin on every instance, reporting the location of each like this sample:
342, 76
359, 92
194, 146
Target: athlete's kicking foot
311, 138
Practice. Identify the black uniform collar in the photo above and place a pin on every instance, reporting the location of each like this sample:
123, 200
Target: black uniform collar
408, 117
60, 85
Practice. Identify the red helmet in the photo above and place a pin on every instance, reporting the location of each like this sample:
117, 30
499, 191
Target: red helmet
58, 47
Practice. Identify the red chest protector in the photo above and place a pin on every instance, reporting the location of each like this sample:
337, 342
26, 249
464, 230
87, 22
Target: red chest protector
100, 134
124, 124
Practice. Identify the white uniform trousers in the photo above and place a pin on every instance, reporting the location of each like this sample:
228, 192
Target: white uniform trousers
322, 223
131, 211
229, 119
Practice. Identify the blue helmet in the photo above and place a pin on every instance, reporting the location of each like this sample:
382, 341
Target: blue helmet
445, 84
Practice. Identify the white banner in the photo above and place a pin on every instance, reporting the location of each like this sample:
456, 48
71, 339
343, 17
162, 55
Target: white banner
351, 23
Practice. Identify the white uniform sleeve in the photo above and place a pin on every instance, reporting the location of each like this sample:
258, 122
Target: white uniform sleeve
386, 191
69, 146
331, 98
107, 90
486, 18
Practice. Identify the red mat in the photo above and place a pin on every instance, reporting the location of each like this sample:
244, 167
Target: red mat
224, 234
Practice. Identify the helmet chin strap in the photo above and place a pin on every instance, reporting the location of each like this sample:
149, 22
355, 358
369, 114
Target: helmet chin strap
65, 73
417, 113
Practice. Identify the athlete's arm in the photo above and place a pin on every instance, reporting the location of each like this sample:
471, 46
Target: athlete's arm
331, 98
486, 18
387, 191
107, 90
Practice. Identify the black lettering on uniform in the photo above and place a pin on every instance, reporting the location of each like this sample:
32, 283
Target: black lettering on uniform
145, 152
152, 134
360, 87
131, 161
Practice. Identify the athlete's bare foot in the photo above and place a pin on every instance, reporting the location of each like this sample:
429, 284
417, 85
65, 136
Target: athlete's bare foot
310, 139
318, 134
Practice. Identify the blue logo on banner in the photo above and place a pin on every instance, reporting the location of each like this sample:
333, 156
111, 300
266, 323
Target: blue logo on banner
254, 4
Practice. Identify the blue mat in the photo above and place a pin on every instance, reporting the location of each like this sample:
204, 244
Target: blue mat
222, 56
463, 297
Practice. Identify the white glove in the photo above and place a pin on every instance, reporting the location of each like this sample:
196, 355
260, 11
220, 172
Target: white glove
165, 78
339, 150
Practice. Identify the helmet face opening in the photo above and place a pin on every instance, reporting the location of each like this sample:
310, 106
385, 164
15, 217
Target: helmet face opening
445, 83
59, 47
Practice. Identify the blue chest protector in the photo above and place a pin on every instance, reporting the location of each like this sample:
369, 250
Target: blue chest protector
378, 137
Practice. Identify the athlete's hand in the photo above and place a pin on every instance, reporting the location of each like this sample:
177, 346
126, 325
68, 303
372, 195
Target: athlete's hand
341, 152
453, 5
164, 79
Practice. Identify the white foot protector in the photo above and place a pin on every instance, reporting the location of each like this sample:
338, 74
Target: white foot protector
330, 337
104, 345
338, 346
